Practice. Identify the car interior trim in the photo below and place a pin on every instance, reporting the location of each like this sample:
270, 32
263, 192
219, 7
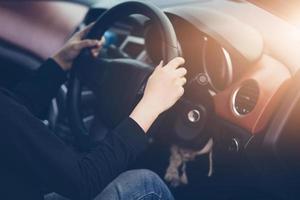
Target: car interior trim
271, 93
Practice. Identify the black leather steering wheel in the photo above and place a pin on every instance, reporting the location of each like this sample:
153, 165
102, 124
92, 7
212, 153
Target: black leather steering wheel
115, 82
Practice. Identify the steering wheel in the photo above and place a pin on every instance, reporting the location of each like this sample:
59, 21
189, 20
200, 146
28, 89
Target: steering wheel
117, 83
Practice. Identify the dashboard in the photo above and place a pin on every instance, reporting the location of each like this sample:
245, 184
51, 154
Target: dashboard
244, 93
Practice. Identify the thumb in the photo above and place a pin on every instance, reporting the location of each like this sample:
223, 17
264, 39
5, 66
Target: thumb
85, 31
86, 43
161, 64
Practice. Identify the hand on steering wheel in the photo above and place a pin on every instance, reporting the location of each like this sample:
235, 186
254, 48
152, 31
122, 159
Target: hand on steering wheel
72, 48
163, 89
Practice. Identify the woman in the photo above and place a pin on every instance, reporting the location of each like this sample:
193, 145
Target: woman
33, 158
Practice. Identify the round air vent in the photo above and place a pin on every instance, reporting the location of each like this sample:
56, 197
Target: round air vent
245, 98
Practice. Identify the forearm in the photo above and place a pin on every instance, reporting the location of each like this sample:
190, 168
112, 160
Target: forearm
144, 115
112, 156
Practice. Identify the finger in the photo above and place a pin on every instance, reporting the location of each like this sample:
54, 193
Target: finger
86, 29
175, 63
95, 54
181, 81
99, 45
180, 72
96, 51
86, 43
102, 41
160, 65
181, 92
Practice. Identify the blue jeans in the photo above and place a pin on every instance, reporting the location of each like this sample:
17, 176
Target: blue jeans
131, 185
136, 185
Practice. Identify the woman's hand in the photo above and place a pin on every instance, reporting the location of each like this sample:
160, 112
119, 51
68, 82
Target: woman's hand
75, 44
163, 89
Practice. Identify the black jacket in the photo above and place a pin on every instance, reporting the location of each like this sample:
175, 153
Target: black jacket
32, 157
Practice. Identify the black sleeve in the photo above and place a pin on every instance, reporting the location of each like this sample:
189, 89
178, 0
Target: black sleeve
27, 141
37, 91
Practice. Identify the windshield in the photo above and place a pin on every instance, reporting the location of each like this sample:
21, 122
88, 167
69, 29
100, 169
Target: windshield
109, 3
286, 9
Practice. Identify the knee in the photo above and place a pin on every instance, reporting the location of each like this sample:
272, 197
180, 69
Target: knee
141, 175
143, 182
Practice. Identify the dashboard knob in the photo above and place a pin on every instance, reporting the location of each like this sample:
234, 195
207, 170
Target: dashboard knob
194, 116
202, 79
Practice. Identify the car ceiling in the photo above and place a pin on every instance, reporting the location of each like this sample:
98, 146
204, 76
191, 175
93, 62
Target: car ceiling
288, 9
160, 3
39, 27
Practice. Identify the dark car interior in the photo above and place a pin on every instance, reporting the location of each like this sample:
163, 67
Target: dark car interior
235, 132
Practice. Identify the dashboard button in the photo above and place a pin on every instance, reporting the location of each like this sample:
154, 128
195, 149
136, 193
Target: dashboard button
194, 116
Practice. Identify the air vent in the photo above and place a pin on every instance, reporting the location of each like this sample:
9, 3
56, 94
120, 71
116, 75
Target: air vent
245, 98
